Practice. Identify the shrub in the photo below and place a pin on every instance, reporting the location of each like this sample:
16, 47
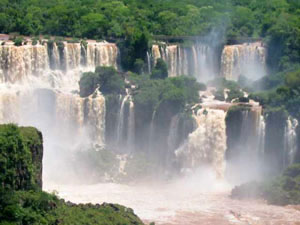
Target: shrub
84, 44
107, 79
34, 42
15, 159
18, 41
88, 84
110, 80
282, 190
160, 70
138, 66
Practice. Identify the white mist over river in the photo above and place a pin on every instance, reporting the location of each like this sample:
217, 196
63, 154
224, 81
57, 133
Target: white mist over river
182, 202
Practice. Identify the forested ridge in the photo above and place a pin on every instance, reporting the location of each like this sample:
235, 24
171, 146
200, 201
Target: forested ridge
276, 21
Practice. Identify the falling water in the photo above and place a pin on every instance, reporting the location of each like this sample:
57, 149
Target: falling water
197, 60
39, 87
247, 59
173, 133
205, 147
149, 62
120, 126
290, 140
48, 64
131, 126
246, 138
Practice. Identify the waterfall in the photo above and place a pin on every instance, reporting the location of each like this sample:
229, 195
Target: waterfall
125, 125
290, 140
66, 115
151, 132
53, 64
120, 126
173, 133
39, 87
197, 60
131, 126
245, 144
19, 63
247, 59
205, 147
149, 62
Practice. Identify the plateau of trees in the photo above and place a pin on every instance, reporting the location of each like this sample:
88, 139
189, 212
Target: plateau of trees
149, 91
136, 22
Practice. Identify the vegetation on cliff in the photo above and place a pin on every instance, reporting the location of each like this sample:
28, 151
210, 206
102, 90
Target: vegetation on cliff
285, 96
23, 202
282, 190
37, 207
107, 79
135, 22
20, 156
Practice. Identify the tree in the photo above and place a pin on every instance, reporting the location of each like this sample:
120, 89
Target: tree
88, 84
107, 79
160, 70
138, 66
15, 159
110, 80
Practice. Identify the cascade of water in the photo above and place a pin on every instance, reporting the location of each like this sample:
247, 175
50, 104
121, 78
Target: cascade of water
155, 53
131, 126
290, 140
196, 60
151, 131
245, 150
205, 147
66, 114
173, 133
262, 131
248, 60
35, 63
149, 62
120, 127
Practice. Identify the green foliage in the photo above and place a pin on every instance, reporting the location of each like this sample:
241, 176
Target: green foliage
37, 207
33, 139
133, 47
134, 22
35, 41
15, 159
88, 84
18, 41
110, 80
174, 92
282, 190
22, 202
232, 89
107, 79
286, 96
160, 70
138, 66
292, 79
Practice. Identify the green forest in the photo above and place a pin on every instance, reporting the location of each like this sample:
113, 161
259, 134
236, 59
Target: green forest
275, 21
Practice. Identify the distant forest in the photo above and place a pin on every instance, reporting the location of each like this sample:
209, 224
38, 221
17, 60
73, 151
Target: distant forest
276, 21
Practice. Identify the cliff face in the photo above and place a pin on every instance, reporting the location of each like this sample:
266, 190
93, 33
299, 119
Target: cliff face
33, 139
21, 199
21, 153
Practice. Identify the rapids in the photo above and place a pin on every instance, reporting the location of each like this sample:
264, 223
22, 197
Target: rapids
182, 202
